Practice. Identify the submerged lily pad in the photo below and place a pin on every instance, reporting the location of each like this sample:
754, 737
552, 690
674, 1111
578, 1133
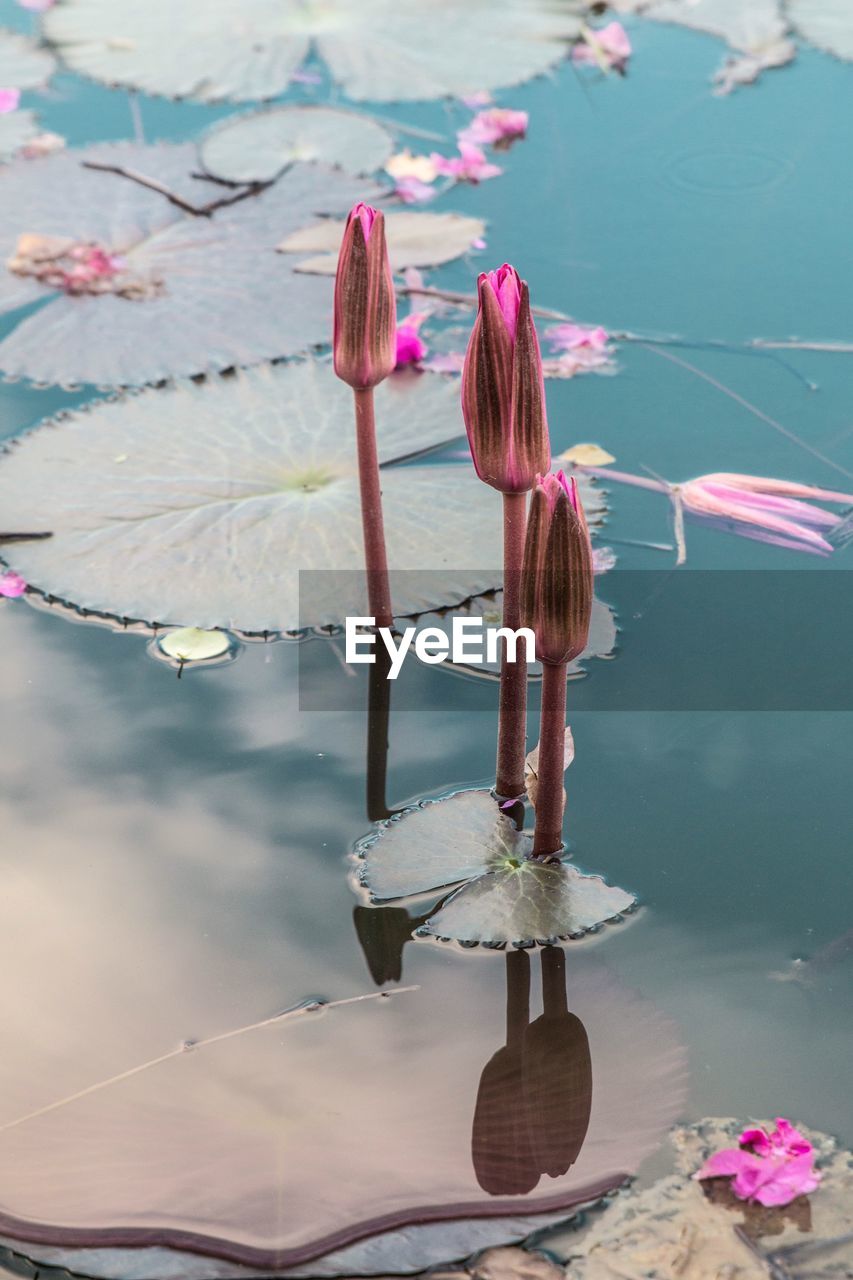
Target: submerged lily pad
257, 147
23, 63
384, 50
828, 24
505, 897
188, 293
198, 505
414, 240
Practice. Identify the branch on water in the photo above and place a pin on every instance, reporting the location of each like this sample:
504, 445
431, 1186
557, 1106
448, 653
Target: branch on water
23, 537
198, 211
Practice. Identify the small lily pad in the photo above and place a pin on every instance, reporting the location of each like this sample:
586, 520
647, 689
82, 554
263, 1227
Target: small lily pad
414, 240
199, 504
23, 63
191, 644
257, 147
504, 897
381, 50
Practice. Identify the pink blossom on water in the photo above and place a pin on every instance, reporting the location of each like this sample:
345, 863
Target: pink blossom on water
447, 362
43, 144
581, 347
608, 48
9, 99
474, 101
411, 190
411, 347
771, 1168
767, 510
470, 165
495, 127
12, 585
37, 6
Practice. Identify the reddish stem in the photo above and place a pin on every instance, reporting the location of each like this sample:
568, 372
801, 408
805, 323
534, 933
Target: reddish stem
512, 715
375, 557
548, 835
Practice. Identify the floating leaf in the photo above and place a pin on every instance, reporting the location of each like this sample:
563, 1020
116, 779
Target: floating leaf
212, 292
16, 129
191, 644
23, 63
828, 24
414, 240
531, 767
586, 455
505, 897
199, 504
382, 50
257, 147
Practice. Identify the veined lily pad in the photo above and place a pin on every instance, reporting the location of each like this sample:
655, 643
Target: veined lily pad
384, 50
23, 63
257, 147
414, 240
505, 897
184, 294
825, 23
198, 505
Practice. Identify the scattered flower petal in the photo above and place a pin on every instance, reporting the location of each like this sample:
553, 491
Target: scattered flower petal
9, 99
77, 268
479, 243
476, 100
406, 165
608, 48
413, 191
497, 127
411, 348
446, 362
767, 510
37, 6
12, 585
771, 1168
470, 165
304, 77
43, 144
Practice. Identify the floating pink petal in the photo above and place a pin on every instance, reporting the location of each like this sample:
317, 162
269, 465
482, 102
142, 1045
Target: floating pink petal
297, 77
9, 99
412, 191
37, 6
495, 127
473, 101
43, 144
770, 1168
12, 585
447, 362
608, 46
470, 165
582, 347
770, 507
411, 348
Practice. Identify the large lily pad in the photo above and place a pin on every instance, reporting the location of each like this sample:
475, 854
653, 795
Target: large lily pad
257, 147
213, 291
16, 129
825, 23
505, 897
414, 240
198, 504
384, 50
23, 63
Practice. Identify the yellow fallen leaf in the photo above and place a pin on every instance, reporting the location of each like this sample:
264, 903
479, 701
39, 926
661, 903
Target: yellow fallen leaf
587, 455
405, 165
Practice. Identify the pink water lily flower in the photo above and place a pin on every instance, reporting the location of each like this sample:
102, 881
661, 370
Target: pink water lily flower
411, 347
9, 99
499, 126
608, 48
12, 585
470, 165
771, 1168
767, 510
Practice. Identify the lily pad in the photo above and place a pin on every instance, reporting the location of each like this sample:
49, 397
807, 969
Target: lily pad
16, 129
257, 147
190, 294
198, 505
505, 897
23, 63
414, 240
384, 50
828, 24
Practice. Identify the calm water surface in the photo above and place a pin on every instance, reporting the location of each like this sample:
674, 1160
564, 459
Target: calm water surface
174, 853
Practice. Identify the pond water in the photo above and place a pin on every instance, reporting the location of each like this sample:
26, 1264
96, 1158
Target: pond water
175, 852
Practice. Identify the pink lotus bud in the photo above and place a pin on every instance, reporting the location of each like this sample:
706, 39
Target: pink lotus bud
557, 573
365, 306
503, 390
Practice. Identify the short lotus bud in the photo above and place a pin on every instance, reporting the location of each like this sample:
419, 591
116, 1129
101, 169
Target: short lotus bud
557, 573
503, 389
365, 340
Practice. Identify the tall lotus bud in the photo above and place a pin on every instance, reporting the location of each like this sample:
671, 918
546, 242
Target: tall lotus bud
365, 340
557, 577
503, 390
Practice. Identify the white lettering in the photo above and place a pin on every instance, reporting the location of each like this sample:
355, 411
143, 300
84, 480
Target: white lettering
461, 640
432, 645
396, 652
354, 641
512, 638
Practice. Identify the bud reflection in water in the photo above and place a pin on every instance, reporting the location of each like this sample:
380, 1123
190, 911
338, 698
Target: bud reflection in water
535, 1095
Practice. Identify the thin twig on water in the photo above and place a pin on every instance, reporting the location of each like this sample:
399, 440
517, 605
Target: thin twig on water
198, 211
